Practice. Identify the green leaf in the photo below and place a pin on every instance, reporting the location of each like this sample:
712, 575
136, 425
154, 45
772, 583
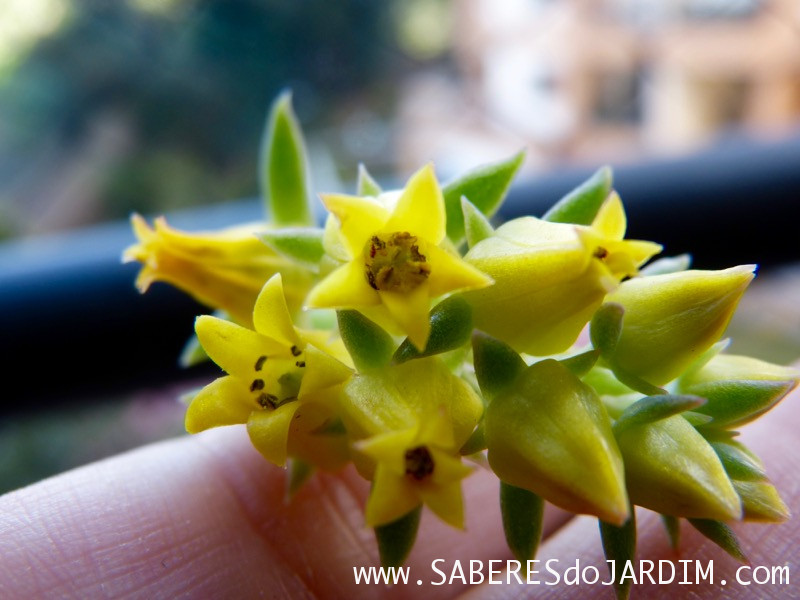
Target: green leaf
192, 353
366, 185
582, 363
673, 527
497, 365
476, 441
284, 173
396, 539
580, 206
722, 535
735, 402
302, 244
299, 473
606, 327
368, 344
636, 383
739, 463
486, 188
522, 520
476, 224
668, 264
451, 326
619, 545
654, 408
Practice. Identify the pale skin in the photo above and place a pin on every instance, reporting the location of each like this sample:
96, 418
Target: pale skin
205, 517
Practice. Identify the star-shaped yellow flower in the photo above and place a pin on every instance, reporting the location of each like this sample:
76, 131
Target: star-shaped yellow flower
414, 466
396, 263
223, 269
281, 381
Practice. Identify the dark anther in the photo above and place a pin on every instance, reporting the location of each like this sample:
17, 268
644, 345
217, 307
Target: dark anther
371, 280
600, 253
301, 363
296, 351
268, 401
260, 362
419, 463
258, 384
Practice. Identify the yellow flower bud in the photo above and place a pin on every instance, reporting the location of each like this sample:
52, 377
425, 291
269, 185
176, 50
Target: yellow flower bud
551, 277
672, 469
761, 501
550, 434
670, 320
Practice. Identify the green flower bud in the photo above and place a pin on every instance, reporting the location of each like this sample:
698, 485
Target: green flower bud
670, 320
549, 433
670, 468
738, 388
761, 501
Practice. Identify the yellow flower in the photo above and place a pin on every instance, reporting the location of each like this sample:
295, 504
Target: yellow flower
417, 465
551, 277
395, 262
281, 381
223, 269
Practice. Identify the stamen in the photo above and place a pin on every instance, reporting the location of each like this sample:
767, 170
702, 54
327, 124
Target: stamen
419, 463
394, 263
260, 362
258, 384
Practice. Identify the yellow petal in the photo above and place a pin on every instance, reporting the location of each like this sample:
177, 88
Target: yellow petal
233, 347
346, 287
410, 312
450, 273
447, 467
269, 431
610, 221
446, 501
392, 497
420, 209
224, 401
359, 218
271, 315
389, 449
321, 371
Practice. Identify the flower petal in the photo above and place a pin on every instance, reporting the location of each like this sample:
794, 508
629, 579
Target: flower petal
450, 273
445, 501
610, 221
420, 209
391, 498
410, 312
389, 449
346, 287
321, 371
233, 347
269, 431
224, 401
359, 218
271, 315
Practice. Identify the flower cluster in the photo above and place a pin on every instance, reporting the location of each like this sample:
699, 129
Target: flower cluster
411, 338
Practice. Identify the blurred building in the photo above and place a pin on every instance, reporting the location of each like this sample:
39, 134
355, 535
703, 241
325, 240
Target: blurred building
602, 80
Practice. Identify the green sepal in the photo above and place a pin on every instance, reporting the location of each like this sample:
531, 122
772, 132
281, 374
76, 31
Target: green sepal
605, 382
739, 463
673, 527
582, 363
722, 535
654, 408
366, 185
302, 244
696, 419
523, 513
396, 539
619, 545
606, 327
451, 326
476, 225
667, 264
733, 403
636, 383
299, 473
369, 345
580, 206
283, 172
192, 353
497, 365
486, 188
476, 442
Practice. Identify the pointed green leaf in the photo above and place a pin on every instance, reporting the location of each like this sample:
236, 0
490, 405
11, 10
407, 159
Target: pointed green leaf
619, 545
655, 408
366, 185
673, 527
606, 327
303, 244
451, 326
738, 462
476, 442
582, 363
496, 364
761, 501
368, 344
696, 419
736, 402
486, 188
636, 383
299, 473
192, 353
522, 520
284, 173
722, 535
668, 264
580, 206
476, 224
396, 539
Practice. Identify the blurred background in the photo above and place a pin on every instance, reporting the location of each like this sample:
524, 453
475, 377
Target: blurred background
114, 106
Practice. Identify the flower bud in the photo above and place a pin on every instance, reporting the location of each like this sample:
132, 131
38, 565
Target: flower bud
761, 501
550, 434
670, 468
738, 388
670, 320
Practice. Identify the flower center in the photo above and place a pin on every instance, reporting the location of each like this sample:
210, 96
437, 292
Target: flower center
419, 463
394, 263
278, 378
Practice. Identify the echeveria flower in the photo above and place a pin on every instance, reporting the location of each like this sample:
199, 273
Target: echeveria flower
281, 381
551, 277
396, 262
